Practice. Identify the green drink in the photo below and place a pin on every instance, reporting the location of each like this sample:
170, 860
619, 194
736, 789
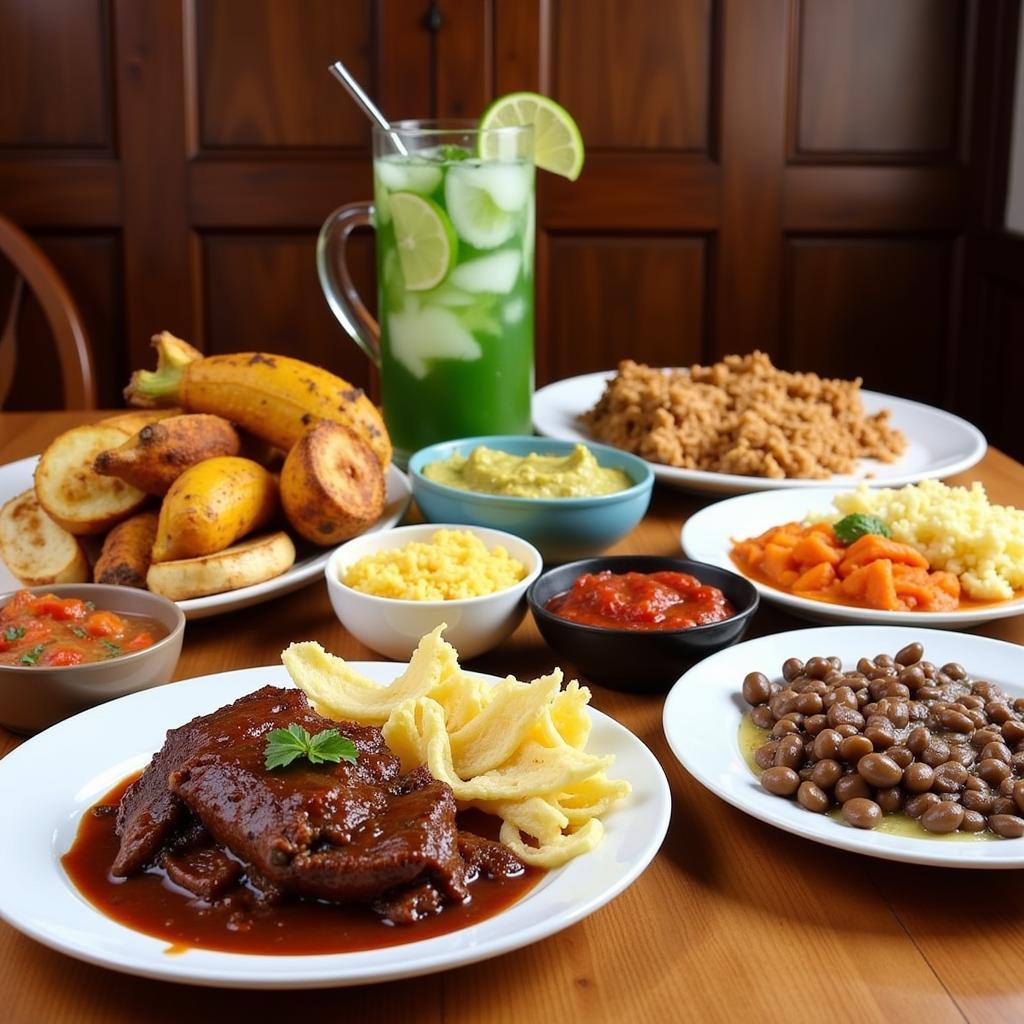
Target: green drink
456, 326
454, 215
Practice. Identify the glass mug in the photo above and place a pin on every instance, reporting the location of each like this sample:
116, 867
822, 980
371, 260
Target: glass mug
454, 214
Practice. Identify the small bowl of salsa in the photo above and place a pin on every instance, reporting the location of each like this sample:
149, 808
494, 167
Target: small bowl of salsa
68, 647
637, 622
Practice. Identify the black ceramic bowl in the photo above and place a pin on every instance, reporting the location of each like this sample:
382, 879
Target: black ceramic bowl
639, 660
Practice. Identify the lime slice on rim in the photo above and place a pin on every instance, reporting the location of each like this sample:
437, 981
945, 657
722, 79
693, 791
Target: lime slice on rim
557, 143
425, 240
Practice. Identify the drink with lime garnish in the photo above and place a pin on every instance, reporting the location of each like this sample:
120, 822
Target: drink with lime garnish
454, 214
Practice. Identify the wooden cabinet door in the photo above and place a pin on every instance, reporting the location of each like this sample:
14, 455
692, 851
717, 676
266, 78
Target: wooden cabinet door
792, 175
801, 176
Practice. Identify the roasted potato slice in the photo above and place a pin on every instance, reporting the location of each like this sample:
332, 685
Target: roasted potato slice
160, 452
74, 495
125, 557
252, 561
38, 551
332, 485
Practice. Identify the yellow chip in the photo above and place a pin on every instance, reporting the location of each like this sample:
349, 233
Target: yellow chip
515, 749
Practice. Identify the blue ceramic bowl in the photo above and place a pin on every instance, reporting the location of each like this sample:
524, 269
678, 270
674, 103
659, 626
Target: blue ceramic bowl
562, 529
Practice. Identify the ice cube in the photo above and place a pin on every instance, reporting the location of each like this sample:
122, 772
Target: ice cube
432, 332
495, 273
404, 174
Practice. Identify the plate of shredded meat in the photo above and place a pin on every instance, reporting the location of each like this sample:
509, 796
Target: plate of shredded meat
194, 799
742, 425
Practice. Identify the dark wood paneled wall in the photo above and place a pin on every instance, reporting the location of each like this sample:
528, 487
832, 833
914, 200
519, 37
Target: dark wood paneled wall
822, 179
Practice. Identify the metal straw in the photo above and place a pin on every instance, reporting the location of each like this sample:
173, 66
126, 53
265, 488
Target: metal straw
355, 90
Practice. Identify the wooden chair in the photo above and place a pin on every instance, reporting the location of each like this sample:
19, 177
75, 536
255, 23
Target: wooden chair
32, 268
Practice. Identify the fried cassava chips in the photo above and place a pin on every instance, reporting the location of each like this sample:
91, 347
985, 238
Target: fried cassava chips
515, 749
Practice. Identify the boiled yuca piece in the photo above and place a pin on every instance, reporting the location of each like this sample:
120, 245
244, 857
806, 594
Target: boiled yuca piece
37, 551
124, 560
211, 505
332, 486
74, 495
242, 565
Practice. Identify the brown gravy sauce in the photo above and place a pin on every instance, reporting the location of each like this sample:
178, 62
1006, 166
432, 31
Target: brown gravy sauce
151, 903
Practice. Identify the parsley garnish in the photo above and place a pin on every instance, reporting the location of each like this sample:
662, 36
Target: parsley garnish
31, 657
285, 745
853, 527
79, 632
112, 649
12, 633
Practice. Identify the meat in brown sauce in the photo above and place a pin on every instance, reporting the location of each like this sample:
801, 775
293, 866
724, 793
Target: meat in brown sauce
209, 813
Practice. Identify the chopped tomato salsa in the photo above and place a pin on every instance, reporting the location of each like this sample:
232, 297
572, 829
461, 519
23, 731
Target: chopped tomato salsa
53, 631
641, 601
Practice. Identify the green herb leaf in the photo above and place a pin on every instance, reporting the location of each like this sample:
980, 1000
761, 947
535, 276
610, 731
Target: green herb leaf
31, 657
12, 633
453, 154
112, 649
79, 632
285, 745
329, 745
857, 525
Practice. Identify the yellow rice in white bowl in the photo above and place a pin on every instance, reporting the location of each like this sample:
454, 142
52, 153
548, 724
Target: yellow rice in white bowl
956, 528
453, 564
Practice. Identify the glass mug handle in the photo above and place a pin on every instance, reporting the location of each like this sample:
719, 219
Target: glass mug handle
336, 281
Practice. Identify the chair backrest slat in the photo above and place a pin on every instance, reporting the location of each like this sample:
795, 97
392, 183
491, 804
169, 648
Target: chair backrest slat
9, 340
65, 322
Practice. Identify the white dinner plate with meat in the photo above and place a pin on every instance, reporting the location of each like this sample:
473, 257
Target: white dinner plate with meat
708, 535
309, 564
704, 710
939, 444
48, 783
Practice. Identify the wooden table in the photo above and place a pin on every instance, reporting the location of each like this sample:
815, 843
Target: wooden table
733, 921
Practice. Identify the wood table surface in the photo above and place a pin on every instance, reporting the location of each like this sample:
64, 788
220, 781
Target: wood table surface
733, 921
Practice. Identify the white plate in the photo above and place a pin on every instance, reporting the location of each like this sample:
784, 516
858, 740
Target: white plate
938, 443
708, 534
48, 783
16, 477
702, 718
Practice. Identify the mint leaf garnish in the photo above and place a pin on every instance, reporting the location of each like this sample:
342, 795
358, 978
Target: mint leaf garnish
857, 525
285, 745
453, 154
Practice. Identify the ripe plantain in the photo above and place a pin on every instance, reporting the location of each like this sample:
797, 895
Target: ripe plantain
274, 397
211, 505
132, 421
160, 452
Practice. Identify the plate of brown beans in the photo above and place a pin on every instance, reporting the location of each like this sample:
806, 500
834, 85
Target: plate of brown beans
897, 742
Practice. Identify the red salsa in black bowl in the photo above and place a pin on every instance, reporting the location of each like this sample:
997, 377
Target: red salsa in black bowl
637, 622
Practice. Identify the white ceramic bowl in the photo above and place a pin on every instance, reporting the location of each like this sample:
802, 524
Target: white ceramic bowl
394, 627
